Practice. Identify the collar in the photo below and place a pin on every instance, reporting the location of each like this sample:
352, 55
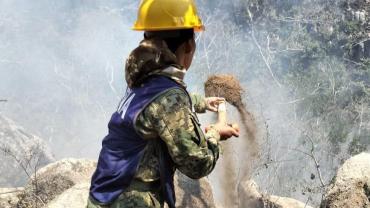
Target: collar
174, 73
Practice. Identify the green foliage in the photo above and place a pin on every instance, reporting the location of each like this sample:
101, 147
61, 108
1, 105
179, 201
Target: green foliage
366, 64
349, 27
330, 85
313, 50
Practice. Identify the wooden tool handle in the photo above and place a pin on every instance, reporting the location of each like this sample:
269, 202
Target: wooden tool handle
222, 118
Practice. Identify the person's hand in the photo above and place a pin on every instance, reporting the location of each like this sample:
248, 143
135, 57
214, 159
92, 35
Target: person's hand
226, 131
213, 102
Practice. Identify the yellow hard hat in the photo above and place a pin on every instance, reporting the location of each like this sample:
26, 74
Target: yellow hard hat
157, 15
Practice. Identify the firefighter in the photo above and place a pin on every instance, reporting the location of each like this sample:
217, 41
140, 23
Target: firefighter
155, 130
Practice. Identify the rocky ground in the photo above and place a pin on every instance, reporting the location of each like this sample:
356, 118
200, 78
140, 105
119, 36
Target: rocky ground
65, 183
251, 197
351, 186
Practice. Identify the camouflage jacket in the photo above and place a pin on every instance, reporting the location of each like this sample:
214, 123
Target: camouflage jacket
194, 153
169, 117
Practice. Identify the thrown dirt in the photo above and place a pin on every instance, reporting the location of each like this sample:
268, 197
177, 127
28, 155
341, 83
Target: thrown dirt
228, 87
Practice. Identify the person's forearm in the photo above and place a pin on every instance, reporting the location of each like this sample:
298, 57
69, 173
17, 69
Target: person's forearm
192, 153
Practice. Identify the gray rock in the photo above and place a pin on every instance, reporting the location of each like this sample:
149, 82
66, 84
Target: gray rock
54, 179
351, 186
193, 193
249, 196
21, 153
75, 197
9, 197
284, 202
189, 193
66, 184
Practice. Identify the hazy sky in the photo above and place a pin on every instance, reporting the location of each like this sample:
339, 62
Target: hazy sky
61, 67
62, 63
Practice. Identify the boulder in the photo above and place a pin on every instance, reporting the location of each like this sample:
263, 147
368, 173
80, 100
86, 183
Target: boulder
189, 193
75, 197
21, 153
351, 186
249, 196
283, 202
66, 184
9, 197
193, 193
54, 179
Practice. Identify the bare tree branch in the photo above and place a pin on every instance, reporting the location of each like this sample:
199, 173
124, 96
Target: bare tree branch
29, 162
10, 192
311, 154
264, 58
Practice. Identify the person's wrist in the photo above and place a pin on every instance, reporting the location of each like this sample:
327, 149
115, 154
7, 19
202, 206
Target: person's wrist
207, 102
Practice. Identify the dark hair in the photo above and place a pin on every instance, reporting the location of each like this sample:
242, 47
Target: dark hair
173, 38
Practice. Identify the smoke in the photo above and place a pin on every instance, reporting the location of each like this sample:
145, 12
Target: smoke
61, 69
289, 123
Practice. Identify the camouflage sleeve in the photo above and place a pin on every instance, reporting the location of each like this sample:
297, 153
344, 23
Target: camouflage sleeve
194, 153
199, 103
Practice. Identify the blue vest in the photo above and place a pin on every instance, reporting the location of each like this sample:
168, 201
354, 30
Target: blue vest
123, 148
